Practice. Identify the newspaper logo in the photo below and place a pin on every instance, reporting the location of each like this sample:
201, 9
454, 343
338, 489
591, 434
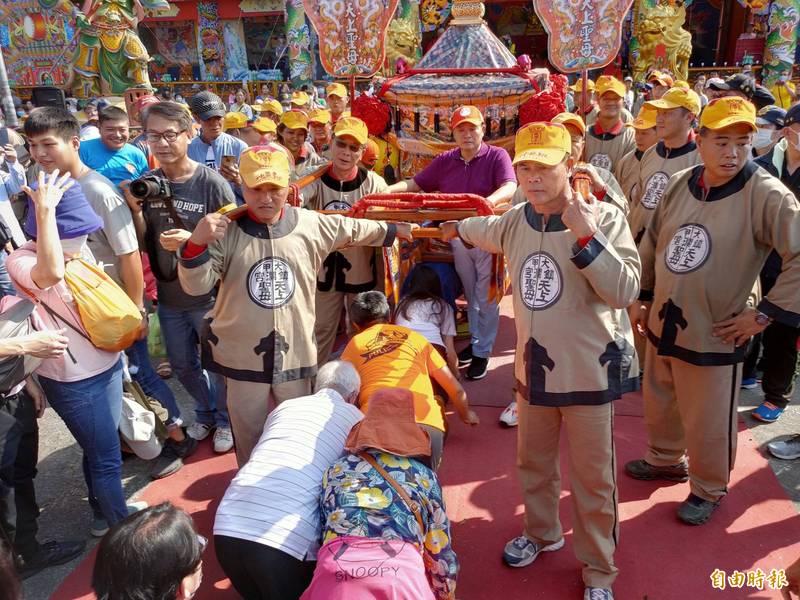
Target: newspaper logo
540, 281
688, 249
601, 160
654, 189
271, 282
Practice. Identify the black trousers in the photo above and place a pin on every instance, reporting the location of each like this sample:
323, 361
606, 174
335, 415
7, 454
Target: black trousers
19, 453
259, 572
780, 363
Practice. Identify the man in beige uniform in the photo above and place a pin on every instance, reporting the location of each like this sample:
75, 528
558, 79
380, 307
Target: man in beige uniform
706, 243
608, 140
677, 111
589, 114
259, 334
645, 135
575, 270
353, 270
293, 134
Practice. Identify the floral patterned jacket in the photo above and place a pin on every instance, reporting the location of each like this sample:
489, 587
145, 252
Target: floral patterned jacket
357, 501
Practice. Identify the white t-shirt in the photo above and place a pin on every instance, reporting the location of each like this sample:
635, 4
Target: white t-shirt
274, 498
423, 319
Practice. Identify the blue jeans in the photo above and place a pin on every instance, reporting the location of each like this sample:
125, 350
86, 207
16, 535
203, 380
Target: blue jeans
6, 287
151, 382
91, 410
474, 268
181, 329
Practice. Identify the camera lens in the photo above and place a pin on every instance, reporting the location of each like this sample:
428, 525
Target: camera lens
141, 188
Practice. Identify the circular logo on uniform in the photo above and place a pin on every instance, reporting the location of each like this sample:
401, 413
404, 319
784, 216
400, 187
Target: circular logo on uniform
540, 281
688, 249
654, 189
337, 205
270, 282
601, 160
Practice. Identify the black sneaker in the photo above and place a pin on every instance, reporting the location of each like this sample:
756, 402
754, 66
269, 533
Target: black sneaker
695, 510
171, 459
50, 554
641, 469
478, 368
465, 356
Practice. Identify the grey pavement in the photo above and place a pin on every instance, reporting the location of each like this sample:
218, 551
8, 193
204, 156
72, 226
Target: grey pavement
66, 515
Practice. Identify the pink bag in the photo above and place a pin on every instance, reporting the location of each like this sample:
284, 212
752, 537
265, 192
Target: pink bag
356, 568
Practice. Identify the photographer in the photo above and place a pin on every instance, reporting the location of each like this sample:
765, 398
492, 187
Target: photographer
171, 201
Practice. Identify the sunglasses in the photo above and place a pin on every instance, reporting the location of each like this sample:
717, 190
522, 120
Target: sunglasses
342, 144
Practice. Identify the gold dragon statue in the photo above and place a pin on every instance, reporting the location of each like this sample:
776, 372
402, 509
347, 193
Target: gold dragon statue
402, 41
661, 25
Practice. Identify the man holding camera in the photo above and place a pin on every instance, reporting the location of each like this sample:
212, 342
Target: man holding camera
167, 203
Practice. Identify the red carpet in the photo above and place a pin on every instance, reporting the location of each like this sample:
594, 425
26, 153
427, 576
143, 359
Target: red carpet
659, 558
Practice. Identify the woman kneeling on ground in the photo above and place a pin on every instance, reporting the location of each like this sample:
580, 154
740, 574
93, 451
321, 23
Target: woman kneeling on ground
375, 546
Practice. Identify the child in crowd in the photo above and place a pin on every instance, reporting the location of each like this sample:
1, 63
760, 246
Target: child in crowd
424, 309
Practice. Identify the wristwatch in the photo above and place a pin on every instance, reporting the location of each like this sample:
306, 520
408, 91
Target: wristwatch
762, 319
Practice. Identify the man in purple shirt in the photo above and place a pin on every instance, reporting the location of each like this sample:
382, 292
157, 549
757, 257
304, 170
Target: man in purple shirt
476, 168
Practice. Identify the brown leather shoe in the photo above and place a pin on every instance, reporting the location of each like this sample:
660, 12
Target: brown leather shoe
641, 469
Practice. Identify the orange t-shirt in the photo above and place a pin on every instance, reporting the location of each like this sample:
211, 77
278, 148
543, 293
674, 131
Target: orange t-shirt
391, 356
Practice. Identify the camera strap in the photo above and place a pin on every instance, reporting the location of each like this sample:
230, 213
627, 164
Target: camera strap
174, 213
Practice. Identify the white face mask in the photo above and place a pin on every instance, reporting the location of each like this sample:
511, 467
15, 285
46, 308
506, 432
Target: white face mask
74, 245
793, 138
762, 138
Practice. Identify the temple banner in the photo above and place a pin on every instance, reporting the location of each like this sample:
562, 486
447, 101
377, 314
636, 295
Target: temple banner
351, 34
582, 34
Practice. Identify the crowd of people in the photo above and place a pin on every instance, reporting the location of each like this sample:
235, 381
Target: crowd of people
618, 220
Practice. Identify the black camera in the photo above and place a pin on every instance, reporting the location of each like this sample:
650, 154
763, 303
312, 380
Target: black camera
151, 187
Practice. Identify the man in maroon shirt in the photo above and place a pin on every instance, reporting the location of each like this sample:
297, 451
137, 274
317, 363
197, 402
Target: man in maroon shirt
477, 168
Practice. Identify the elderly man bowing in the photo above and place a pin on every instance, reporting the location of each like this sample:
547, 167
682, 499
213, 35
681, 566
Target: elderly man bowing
477, 168
260, 333
575, 269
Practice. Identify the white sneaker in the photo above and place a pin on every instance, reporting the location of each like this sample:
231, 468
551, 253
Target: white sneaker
223, 440
199, 431
509, 416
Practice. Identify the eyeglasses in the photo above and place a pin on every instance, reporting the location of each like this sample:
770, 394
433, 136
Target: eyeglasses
169, 136
342, 144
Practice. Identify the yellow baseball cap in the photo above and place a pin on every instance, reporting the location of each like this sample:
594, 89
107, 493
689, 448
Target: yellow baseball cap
568, 118
724, 112
608, 83
578, 85
272, 105
264, 125
352, 126
677, 97
646, 119
265, 164
320, 115
466, 114
234, 120
545, 143
295, 119
681, 83
336, 89
300, 99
